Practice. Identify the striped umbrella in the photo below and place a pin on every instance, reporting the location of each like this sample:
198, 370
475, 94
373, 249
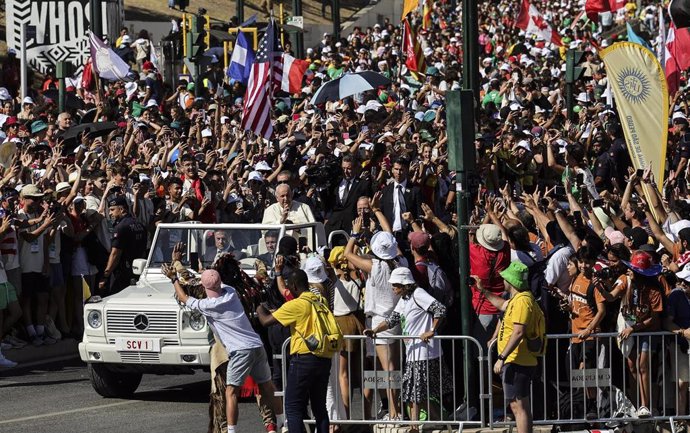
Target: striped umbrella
348, 85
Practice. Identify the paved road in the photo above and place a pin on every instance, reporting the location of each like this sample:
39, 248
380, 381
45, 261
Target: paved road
60, 399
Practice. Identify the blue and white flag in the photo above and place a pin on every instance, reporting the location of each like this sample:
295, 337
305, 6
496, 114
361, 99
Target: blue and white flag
635, 39
250, 22
241, 60
107, 64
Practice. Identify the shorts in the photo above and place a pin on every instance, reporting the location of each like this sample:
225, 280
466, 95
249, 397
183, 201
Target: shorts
34, 283
14, 276
8, 294
248, 362
679, 363
57, 277
372, 322
517, 380
351, 324
590, 354
646, 343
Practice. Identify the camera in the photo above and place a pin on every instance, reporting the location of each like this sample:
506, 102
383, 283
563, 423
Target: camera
605, 274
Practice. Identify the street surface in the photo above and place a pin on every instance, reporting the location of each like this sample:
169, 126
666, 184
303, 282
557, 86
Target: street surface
59, 398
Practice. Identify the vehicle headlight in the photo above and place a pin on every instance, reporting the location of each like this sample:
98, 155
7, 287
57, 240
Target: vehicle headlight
196, 321
94, 319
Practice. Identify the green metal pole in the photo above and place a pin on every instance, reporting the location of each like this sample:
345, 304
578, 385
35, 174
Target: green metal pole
470, 54
298, 36
240, 11
570, 82
335, 6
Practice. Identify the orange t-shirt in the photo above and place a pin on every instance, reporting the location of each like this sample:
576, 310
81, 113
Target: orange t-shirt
582, 313
639, 304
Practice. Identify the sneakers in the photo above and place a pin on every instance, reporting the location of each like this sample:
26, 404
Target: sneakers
6, 363
51, 329
387, 417
37, 340
48, 340
13, 341
5, 346
643, 412
271, 428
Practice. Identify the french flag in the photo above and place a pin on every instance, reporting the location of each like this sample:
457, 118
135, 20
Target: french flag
293, 73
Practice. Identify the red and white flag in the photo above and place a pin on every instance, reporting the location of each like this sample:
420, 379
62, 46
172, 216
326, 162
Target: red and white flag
677, 56
293, 73
594, 7
533, 23
412, 49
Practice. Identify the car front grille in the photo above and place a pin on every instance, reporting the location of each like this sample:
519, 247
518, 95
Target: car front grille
140, 357
159, 322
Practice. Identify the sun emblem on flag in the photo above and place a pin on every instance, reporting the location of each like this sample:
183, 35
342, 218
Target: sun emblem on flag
634, 85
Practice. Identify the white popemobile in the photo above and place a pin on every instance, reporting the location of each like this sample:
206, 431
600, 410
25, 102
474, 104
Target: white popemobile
143, 329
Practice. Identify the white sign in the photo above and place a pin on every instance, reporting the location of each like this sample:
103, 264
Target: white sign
297, 21
382, 379
57, 29
590, 378
134, 344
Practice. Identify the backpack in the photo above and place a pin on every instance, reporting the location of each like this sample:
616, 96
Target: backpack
327, 339
536, 343
537, 276
439, 284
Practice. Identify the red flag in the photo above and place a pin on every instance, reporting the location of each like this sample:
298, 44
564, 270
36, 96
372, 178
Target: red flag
413, 51
532, 22
293, 73
426, 15
677, 56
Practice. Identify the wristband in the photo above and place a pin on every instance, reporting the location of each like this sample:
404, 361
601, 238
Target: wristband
354, 235
174, 280
501, 358
278, 274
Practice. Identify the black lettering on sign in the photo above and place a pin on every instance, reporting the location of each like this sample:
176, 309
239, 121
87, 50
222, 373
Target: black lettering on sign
58, 22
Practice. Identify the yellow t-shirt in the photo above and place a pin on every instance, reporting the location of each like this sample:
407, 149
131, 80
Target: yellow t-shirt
297, 314
521, 309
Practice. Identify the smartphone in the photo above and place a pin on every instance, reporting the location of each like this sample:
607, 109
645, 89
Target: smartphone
580, 178
639, 172
365, 128
598, 203
302, 243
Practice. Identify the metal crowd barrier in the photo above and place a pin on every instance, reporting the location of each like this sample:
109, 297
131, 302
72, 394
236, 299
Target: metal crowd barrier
566, 388
364, 372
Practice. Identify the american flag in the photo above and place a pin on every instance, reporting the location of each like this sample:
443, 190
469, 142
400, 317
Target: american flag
265, 76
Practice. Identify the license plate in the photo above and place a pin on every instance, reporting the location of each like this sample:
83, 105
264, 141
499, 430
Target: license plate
126, 344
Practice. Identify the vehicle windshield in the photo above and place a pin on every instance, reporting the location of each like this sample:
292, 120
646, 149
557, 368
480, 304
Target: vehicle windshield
203, 245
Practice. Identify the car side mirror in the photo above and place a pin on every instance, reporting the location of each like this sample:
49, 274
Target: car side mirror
138, 266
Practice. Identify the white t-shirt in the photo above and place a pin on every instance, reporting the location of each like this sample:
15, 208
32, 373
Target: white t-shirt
346, 298
556, 273
416, 320
55, 247
31, 254
379, 298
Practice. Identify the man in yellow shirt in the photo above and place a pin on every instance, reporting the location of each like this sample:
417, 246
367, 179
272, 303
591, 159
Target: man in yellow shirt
307, 380
516, 362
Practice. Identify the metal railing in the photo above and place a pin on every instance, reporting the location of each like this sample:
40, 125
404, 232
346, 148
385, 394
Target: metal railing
442, 404
598, 383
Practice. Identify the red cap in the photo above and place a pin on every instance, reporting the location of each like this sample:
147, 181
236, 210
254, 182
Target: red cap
10, 121
418, 240
120, 92
148, 65
641, 260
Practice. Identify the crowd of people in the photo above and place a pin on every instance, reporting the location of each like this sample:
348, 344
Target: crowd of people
560, 214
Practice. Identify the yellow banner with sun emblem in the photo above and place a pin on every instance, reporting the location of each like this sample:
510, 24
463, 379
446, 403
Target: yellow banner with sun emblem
639, 87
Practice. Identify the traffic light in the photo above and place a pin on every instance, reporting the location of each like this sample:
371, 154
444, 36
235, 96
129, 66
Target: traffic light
573, 72
198, 36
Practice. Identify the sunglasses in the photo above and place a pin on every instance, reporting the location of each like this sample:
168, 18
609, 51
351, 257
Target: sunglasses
282, 182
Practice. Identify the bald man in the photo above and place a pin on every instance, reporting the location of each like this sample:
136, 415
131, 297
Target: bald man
287, 210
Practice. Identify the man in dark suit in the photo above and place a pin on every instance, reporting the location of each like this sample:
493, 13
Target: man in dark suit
343, 196
399, 197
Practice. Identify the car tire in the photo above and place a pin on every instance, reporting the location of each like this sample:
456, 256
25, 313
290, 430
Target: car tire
111, 384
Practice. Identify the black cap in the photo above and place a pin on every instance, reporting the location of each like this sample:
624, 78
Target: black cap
118, 201
637, 235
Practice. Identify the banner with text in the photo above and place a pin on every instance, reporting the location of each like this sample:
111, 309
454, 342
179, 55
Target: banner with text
57, 30
639, 86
